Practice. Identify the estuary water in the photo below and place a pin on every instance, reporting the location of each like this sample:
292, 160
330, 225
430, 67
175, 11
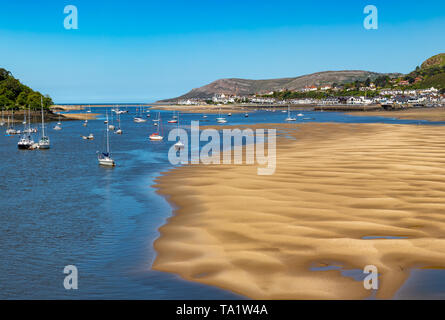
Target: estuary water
58, 207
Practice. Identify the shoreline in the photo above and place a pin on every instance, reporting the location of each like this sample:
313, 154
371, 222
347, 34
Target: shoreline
50, 116
429, 114
244, 234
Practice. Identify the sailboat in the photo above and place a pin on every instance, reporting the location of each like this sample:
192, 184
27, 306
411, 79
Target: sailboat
156, 136
289, 118
139, 118
104, 158
10, 130
85, 123
119, 130
89, 110
111, 126
44, 142
179, 145
220, 119
28, 120
2, 123
173, 119
58, 125
26, 141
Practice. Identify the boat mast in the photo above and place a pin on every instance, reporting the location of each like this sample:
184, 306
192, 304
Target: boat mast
43, 121
24, 121
108, 143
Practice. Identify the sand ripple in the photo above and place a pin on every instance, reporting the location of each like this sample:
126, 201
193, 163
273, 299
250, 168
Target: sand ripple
334, 184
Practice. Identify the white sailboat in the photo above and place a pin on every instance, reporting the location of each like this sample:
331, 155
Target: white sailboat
220, 119
11, 129
111, 126
289, 118
85, 123
119, 129
139, 117
58, 125
2, 123
44, 142
179, 145
25, 141
156, 136
104, 158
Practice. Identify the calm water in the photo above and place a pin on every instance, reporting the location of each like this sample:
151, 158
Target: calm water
58, 207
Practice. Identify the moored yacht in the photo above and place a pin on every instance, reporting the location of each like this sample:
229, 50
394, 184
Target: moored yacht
105, 158
25, 142
156, 136
289, 118
220, 119
44, 142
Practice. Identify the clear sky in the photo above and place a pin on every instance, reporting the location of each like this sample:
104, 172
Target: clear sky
142, 51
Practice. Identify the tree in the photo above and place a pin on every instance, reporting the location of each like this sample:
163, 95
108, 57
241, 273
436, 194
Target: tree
367, 82
34, 100
14, 94
22, 99
4, 74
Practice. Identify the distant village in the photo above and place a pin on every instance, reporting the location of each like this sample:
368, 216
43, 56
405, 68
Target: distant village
335, 95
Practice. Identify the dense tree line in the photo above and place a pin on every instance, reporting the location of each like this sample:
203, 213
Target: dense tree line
286, 94
15, 95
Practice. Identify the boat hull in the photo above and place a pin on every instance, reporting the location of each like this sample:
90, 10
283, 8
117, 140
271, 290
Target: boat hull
156, 138
24, 146
107, 162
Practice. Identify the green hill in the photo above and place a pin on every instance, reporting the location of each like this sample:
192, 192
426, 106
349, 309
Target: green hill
431, 72
435, 61
436, 81
15, 95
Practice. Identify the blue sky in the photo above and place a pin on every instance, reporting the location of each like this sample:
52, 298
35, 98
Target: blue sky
142, 51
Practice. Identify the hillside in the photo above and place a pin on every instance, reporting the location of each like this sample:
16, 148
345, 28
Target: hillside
243, 87
435, 61
14, 94
431, 73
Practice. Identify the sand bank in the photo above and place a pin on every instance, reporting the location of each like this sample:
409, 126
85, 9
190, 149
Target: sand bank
259, 236
80, 116
430, 114
208, 109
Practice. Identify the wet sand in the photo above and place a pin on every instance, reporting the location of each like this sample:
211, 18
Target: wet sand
259, 236
206, 109
80, 116
430, 114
